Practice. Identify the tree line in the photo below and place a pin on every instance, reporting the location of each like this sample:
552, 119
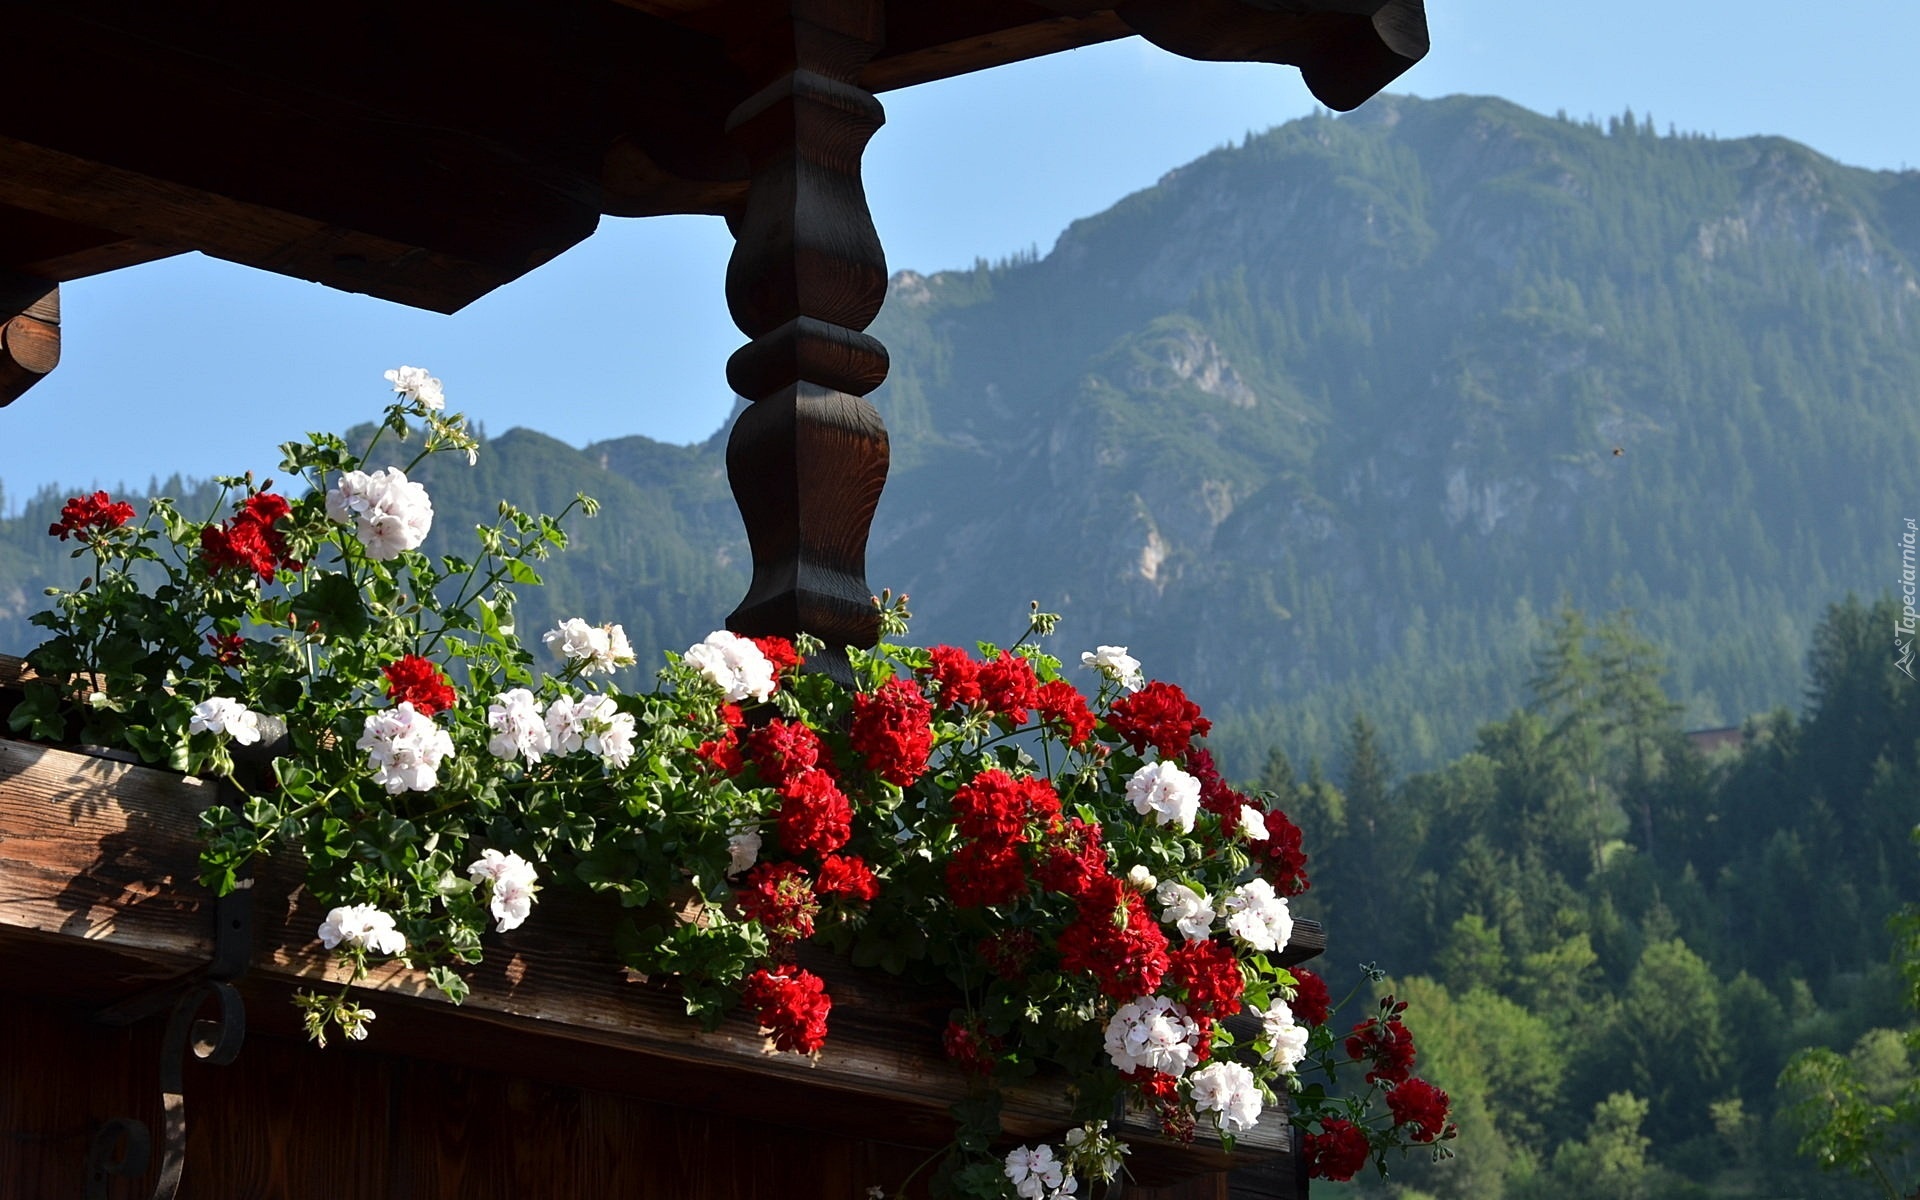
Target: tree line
1616, 941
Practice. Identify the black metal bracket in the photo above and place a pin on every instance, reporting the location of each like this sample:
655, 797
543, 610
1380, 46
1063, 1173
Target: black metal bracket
122, 1146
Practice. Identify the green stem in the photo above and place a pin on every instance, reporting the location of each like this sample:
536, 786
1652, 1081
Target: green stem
942, 1152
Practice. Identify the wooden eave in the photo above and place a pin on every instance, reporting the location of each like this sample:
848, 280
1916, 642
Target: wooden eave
428, 151
99, 905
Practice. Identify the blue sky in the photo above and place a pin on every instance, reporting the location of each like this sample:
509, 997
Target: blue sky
199, 366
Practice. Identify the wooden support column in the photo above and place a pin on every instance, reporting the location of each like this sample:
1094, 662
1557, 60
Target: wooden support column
808, 458
29, 333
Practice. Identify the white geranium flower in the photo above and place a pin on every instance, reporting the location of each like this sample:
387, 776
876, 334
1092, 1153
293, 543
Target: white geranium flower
1142, 879
609, 732
362, 927
404, 748
1037, 1174
1286, 1037
593, 723
1258, 916
1253, 823
566, 724
599, 649
743, 850
734, 664
390, 514
519, 731
510, 881
1116, 664
1228, 1089
416, 384
1154, 1033
1167, 792
223, 715
1186, 909
512, 904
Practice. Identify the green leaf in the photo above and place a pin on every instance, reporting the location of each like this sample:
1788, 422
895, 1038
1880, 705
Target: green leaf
449, 984
336, 604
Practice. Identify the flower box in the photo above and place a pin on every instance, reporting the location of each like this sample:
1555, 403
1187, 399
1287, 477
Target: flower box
99, 903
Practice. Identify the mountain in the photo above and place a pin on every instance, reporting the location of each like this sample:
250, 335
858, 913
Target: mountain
1337, 418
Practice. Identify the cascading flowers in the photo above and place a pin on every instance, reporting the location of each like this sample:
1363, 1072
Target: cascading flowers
1104, 903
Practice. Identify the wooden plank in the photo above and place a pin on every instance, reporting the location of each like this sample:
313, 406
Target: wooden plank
41, 249
101, 854
908, 64
270, 140
14, 671
147, 209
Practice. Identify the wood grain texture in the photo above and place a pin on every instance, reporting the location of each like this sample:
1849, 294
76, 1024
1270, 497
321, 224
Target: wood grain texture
948, 51
807, 461
29, 334
97, 902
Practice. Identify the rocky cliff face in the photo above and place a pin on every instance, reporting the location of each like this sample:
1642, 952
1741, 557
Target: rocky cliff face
1323, 421
1360, 376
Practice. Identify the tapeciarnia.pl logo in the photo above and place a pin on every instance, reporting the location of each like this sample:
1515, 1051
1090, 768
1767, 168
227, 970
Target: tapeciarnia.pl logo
1903, 630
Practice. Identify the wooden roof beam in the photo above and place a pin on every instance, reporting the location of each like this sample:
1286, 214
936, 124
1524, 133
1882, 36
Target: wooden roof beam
243, 138
1347, 50
29, 334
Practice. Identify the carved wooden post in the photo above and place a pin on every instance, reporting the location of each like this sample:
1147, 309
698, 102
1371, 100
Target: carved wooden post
808, 458
29, 333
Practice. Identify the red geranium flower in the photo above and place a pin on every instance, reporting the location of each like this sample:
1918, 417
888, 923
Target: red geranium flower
1310, 1003
723, 753
1153, 1085
418, 681
972, 1049
994, 806
1009, 686
83, 516
983, 873
1161, 716
1061, 704
1421, 1105
792, 1004
847, 875
957, 676
780, 653
1279, 857
1215, 796
1009, 953
1210, 975
1116, 940
814, 813
783, 749
1338, 1151
780, 897
227, 649
1385, 1044
249, 540
1074, 857
893, 730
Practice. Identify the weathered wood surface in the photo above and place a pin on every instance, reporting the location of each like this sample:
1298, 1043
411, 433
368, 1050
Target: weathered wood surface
353, 1122
98, 902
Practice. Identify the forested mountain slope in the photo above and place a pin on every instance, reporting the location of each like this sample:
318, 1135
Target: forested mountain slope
1328, 420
